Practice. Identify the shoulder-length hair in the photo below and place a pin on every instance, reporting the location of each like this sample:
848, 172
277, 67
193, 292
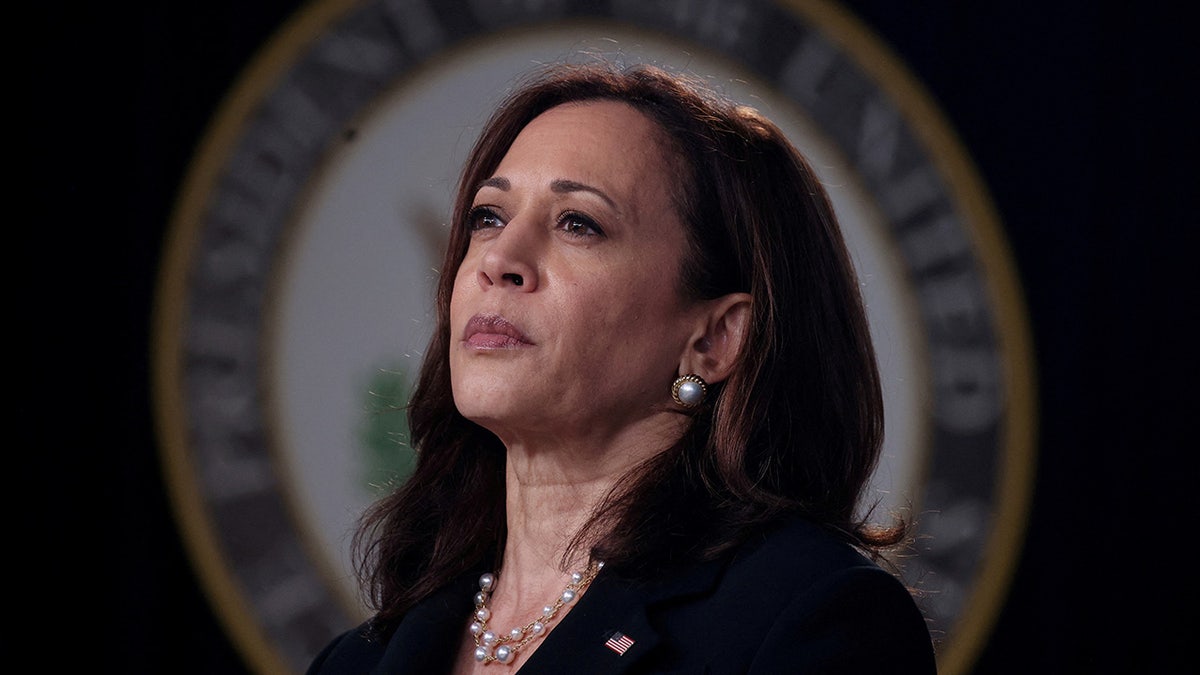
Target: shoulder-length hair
795, 429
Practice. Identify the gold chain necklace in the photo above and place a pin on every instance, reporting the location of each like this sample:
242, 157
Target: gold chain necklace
490, 646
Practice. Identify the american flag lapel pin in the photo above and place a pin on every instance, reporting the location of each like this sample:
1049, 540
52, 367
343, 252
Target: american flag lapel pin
619, 643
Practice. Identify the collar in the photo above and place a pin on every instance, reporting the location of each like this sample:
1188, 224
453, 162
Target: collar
610, 631
606, 633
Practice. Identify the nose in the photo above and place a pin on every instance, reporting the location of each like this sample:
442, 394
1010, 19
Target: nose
510, 260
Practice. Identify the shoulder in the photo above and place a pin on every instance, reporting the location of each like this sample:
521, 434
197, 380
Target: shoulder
354, 651
833, 608
812, 549
853, 619
795, 558
800, 599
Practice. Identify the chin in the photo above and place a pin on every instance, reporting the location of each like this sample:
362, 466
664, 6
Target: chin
483, 401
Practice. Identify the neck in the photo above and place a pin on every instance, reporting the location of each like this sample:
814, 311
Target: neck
552, 488
554, 485
546, 505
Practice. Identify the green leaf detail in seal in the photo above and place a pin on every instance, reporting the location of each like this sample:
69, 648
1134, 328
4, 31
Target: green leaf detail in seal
388, 459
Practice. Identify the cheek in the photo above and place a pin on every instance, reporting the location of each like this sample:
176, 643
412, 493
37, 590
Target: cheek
458, 293
632, 322
461, 275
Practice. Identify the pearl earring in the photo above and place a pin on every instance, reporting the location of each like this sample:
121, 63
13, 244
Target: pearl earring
689, 390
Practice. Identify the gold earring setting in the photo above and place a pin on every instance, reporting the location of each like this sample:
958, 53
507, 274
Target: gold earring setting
689, 390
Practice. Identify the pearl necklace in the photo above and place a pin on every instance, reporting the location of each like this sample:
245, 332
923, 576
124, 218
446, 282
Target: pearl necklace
503, 648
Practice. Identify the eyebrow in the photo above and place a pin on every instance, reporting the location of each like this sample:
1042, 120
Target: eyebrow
560, 186
563, 186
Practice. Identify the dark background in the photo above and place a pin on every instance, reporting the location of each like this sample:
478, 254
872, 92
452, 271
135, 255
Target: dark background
1079, 116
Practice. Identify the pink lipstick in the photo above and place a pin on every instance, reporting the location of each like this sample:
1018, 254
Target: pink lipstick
492, 331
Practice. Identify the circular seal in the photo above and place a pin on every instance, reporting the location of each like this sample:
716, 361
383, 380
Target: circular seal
297, 281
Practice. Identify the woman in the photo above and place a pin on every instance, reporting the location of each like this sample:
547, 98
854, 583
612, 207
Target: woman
648, 412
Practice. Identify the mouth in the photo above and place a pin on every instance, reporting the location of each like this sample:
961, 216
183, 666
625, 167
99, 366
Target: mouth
492, 331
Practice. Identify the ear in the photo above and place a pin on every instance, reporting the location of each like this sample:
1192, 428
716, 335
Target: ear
719, 338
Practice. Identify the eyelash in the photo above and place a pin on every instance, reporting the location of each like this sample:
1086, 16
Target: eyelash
572, 216
477, 215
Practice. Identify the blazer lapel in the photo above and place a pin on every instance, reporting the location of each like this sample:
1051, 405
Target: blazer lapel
430, 634
609, 632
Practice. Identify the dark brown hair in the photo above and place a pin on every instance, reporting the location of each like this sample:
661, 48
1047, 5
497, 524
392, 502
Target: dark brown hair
795, 429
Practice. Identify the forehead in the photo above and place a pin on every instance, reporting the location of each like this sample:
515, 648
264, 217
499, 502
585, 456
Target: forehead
604, 141
598, 117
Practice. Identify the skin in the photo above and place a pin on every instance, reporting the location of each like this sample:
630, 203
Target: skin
568, 328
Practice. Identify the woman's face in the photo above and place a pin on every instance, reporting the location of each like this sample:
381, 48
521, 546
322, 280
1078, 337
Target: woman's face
566, 318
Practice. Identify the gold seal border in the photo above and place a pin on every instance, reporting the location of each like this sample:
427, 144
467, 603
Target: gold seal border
884, 68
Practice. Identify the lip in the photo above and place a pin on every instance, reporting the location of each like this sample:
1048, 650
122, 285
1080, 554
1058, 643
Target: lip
492, 331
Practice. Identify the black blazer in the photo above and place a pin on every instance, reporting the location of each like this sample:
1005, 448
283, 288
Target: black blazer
795, 600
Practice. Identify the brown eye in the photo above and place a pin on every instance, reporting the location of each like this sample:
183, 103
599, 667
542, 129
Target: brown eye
579, 225
483, 218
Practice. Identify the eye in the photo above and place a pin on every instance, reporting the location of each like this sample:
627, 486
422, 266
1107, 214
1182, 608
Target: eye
483, 218
579, 225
